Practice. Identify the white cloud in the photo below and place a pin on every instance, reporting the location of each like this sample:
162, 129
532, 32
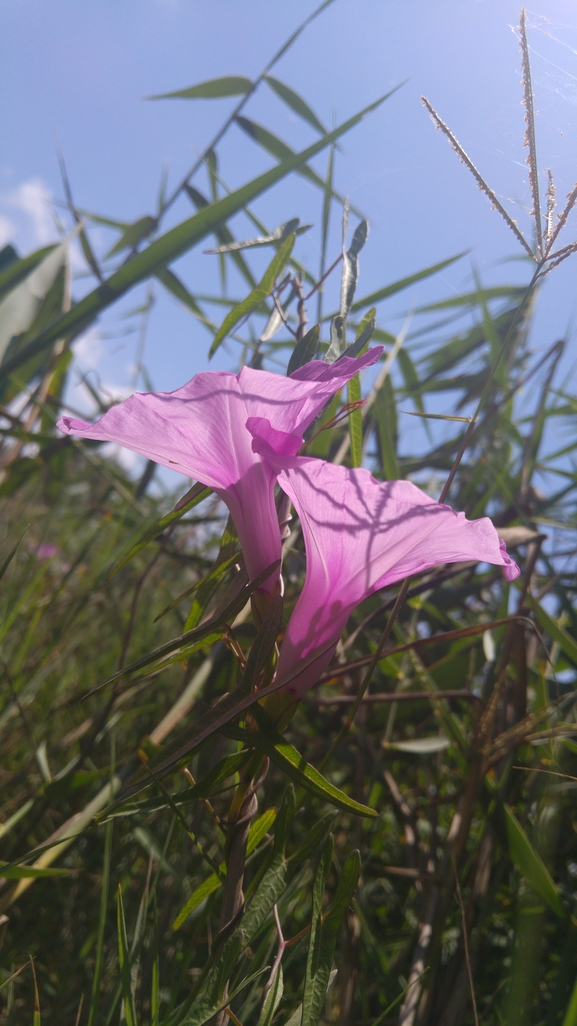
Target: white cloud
7, 230
34, 199
130, 461
88, 350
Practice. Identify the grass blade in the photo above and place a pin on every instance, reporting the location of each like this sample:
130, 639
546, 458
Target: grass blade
257, 296
212, 89
173, 244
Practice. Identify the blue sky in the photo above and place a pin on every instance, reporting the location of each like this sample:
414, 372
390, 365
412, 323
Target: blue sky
76, 74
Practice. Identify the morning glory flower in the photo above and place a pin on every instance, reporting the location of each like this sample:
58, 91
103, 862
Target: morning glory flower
200, 431
360, 535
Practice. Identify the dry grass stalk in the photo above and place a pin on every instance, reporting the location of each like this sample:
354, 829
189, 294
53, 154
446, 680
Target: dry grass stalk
562, 218
530, 140
559, 256
495, 203
551, 198
466, 945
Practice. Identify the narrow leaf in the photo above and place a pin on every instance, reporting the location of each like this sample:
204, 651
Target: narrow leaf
295, 102
199, 492
305, 350
133, 234
403, 283
277, 235
12, 272
20, 306
257, 296
257, 833
172, 245
364, 334
419, 746
337, 341
212, 89
554, 630
355, 422
124, 965
530, 864
292, 763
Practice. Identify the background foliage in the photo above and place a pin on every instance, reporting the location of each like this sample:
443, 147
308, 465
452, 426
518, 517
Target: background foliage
464, 883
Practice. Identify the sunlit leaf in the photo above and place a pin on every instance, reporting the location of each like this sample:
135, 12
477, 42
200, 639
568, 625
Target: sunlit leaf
172, 245
257, 296
212, 89
530, 864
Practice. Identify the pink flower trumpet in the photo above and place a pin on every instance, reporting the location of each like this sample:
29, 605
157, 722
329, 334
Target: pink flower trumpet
200, 431
359, 535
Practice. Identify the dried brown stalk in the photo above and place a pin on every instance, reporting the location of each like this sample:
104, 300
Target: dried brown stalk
495, 203
466, 944
551, 200
559, 256
530, 140
562, 217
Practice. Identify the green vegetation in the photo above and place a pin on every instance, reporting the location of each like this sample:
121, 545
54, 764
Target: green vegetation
427, 847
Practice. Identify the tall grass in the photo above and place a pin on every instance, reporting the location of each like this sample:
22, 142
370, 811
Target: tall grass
455, 904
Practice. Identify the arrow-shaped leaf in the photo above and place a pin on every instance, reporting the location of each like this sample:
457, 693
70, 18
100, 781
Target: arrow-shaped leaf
257, 296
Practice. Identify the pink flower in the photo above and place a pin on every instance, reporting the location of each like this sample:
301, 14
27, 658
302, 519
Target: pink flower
200, 431
46, 551
360, 535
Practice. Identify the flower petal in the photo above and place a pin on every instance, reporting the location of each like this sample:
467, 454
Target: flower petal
361, 535
200, 430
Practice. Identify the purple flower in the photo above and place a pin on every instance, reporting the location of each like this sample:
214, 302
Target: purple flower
45, 551
200, 431
359, 535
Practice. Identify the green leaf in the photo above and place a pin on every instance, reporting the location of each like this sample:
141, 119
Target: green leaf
570, 1018
277, 235
202, 789
386, 412
280, 150
272, 1000
275, 146
133, 234
471, 299
263, 645
323, 938
530, 864
350, 275
172, 245
337, 341
295, 102
18, 309
554, 630
214, 576
257, 296
180, 292
278, 749
212, 89
364, 334
6, 562
403, 283
223, 234
29, 872
206, 1010
13, 271
419, 746
257, 832
305, 350
197, 494
355, 422
222, 616
411, 379
124, 965
102, 917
